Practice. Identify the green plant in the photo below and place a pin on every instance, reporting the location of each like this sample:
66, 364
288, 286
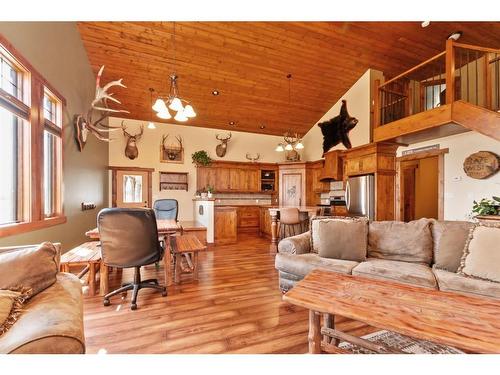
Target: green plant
210, 189
201, 158
487, 206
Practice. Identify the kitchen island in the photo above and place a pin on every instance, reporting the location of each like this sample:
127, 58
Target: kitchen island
274, 210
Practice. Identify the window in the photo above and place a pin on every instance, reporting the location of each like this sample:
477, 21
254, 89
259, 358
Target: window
30, 147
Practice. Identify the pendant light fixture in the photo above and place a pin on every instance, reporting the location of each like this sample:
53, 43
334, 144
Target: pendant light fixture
151, 124
173, 101
292, 141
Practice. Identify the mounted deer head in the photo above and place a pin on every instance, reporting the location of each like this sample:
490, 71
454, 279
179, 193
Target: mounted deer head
84, 123
251, 158
173, 152
131, 150
221, 148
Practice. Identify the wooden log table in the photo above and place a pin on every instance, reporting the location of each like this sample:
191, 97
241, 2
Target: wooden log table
166, 228
461, 321
87, 255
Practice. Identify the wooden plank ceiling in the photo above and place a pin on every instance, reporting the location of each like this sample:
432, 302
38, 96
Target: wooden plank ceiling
248, 63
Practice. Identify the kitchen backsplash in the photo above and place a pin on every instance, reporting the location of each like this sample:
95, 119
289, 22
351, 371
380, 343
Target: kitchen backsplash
242, 199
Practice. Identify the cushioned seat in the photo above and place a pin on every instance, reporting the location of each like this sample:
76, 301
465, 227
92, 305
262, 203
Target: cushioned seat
407, 273
52, 321
453, 282
301, 265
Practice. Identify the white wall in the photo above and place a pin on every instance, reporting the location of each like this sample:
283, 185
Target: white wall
195, 138
358, 105
459, 189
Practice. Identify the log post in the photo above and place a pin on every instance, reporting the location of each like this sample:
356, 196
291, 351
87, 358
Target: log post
450, 72
376, 104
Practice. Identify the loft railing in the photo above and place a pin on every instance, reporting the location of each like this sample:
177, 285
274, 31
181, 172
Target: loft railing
461, 72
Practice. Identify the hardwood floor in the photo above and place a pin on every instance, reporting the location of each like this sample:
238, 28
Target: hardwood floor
235, 307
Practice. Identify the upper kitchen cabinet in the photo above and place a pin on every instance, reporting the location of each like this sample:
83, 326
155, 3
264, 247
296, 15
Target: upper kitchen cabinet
314, 185
333, 166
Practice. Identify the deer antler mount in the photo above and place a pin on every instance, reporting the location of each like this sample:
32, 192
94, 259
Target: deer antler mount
171, 153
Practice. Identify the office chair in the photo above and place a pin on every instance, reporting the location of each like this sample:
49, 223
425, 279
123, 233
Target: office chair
129, 239
166, 209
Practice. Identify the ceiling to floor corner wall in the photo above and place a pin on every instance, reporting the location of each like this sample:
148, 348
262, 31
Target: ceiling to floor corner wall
247, 62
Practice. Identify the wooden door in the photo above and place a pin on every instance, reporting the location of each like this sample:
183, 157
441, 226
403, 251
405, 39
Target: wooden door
132, 188
291, 189
253, 178
408, 190
238, 179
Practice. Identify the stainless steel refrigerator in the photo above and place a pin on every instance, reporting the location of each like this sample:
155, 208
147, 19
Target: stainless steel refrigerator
360, 196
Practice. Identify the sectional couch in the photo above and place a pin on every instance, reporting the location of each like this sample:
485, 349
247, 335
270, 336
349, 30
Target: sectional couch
425, 253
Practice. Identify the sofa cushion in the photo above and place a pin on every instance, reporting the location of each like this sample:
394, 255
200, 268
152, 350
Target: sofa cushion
301, 265
453, 282
11, 302
394, 240
52, 321
33, 267
403, 272
481, 257
449, 239
314, 224
340, 239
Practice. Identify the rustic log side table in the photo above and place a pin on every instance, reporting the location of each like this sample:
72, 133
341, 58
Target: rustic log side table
187, 243
87, 255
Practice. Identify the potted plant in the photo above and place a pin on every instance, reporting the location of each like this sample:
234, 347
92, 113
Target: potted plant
487, 206
201, 158
210, 190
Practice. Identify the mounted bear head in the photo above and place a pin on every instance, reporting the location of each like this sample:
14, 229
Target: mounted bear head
337, 129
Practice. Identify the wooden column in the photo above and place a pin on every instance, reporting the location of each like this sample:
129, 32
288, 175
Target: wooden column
450, 72
274, 230
376, 104
487, 82
314, 337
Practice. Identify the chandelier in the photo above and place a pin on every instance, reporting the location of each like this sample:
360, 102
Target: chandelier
292, 141
173, 101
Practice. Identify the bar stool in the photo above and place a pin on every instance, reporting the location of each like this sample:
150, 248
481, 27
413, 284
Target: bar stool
290, 218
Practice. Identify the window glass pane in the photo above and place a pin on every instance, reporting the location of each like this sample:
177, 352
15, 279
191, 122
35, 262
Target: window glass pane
50, 109
51, 144
10, 79
9, 168
132, 189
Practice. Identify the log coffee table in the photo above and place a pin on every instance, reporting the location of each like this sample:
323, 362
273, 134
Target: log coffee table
465, 322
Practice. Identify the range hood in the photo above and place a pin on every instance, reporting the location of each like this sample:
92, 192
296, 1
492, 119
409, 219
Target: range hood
333, 166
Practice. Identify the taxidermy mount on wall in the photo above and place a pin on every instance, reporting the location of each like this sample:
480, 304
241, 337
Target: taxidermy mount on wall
131, 150
337, 129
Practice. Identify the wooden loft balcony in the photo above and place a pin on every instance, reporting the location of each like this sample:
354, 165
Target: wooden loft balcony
456, 91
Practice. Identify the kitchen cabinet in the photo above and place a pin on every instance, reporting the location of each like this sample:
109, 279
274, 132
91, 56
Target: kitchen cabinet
265, 222
205, 176
225, 225
314, 185
248, 219
253, 180
222, 182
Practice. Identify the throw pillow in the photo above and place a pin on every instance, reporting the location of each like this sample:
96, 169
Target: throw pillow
314, 223
33, 267
449, 242
395, 240
481, 257
11, 302
341, 239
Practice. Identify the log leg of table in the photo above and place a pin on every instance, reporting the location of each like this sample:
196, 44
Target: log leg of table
167, 261
195, 265
177, 273
274, 231
314, 336
91, 281
104, 283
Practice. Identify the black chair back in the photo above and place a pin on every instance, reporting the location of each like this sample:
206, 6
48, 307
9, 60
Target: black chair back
129, 237
166, 209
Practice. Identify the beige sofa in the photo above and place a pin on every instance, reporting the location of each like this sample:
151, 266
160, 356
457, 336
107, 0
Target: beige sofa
52, 319
437, 269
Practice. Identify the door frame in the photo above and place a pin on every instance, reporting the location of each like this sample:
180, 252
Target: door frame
417, 156
114, 169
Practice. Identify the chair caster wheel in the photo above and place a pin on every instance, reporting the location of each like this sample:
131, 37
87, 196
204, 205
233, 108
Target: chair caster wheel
133, 306
106, 302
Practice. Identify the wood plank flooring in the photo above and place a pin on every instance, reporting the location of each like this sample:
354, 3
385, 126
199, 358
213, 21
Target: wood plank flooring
234, 307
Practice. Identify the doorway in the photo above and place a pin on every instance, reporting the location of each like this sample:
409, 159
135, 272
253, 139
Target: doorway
420, 190
131, 187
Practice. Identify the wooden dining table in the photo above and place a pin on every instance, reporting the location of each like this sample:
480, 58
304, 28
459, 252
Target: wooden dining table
165, 229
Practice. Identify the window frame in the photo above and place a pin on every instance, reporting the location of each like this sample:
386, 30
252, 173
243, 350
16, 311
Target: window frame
30, 200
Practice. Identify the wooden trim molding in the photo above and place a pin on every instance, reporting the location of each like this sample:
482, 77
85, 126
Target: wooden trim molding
136, 169
423, 154
18, 228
